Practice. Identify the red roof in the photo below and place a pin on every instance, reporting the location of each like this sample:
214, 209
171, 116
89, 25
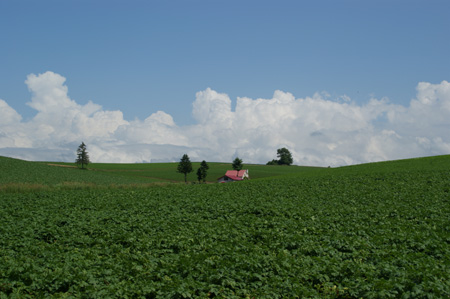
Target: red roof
235, 175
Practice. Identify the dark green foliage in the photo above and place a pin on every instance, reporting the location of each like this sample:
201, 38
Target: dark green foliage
204, 165
284, 157
273, 162
185, 166
202, 172
372, 231
82, 156
237, 164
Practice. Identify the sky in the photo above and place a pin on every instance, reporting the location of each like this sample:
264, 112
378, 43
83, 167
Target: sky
335, 82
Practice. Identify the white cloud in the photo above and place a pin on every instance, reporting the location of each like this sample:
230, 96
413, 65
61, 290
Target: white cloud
316, 130
211, 107
158, 128
60, 120
48, 92
9, 115
10, 133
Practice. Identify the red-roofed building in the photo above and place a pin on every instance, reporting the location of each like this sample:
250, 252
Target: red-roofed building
233, 176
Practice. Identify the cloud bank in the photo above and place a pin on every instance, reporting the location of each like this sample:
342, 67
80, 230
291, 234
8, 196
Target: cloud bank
317, 130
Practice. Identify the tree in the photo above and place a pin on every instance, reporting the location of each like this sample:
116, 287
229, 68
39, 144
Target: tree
237, 164
284, 156
185, 166
202, 171
82, 156
200, 174
273, 162
204, 165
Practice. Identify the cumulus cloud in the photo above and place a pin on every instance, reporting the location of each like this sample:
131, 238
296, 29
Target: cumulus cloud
9, 115
9, 122
60, 119
317, 130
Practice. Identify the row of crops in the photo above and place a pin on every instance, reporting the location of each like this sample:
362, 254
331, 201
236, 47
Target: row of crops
343, 234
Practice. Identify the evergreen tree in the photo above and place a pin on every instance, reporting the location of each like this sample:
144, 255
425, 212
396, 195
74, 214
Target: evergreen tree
202, 172
185, 166
237, 164
82, 156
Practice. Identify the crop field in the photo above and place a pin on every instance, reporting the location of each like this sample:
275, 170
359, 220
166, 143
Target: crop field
379, 230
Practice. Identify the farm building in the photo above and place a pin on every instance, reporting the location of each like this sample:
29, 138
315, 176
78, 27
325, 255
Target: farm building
233, 176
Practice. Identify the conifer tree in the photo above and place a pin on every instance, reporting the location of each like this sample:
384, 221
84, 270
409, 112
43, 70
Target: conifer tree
82, 156
237, 164
202, 172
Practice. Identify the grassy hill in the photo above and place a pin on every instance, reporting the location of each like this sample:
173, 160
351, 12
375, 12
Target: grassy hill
167, 171
378, 230
21, 175
18, 174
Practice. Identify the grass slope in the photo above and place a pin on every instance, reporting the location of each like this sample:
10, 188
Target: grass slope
379, 230
167, 171
16, 175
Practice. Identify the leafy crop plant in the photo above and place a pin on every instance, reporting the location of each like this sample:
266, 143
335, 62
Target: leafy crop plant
354, 232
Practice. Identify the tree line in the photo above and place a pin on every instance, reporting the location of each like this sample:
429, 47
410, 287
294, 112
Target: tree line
185, 165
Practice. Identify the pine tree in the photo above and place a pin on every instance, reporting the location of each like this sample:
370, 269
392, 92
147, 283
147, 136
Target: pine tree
237, 164
82, 156
202, 172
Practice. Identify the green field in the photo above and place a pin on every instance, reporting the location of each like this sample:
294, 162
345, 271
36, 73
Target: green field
16, 175
378, 230
166, 172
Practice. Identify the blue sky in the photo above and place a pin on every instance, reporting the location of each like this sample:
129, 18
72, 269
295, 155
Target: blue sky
141, 57
144, 56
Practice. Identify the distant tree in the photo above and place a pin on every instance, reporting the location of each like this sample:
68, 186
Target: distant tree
284, 156
273, 162
82, 156
202, 172
185, 166
204, 165
237, 164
